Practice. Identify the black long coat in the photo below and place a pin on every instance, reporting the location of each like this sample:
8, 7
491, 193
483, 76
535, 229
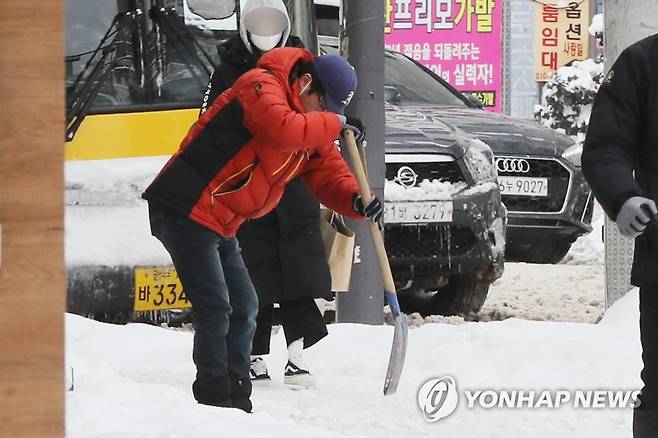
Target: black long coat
620, 155
283, 250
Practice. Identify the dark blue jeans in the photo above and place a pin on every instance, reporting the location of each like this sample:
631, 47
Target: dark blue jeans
224, 301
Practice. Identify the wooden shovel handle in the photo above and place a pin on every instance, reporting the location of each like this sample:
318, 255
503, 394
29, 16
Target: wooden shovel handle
366, 196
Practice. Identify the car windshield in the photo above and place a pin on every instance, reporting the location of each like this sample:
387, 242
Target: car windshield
410, 84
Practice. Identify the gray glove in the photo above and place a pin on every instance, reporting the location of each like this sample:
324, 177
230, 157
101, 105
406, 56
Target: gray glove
635, 215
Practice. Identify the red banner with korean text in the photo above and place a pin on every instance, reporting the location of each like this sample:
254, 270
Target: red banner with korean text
460, 40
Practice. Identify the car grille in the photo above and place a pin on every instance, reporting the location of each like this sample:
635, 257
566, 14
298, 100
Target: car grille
558, 186
449, 172
427, 241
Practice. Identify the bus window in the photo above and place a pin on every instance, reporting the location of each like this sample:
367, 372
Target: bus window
123, 57
145, 57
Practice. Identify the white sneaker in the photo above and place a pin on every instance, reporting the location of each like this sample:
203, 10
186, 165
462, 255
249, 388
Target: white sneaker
258, 369
297, 377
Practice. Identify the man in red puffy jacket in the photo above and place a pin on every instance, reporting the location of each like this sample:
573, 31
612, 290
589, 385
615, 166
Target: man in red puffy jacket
291, 107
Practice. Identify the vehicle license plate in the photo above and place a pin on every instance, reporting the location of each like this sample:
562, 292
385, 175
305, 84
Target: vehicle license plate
158, 288
418, 212
523, 186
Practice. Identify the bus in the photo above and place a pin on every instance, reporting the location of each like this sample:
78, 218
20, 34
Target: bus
137, 70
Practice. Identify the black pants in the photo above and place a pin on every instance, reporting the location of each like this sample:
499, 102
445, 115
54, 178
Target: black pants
300, 319
645, 418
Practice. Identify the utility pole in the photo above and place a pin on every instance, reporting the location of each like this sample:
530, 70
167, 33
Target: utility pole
363, 44
626, 21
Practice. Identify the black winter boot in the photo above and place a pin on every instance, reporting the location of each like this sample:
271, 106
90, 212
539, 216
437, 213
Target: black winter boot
213, 392
240, 393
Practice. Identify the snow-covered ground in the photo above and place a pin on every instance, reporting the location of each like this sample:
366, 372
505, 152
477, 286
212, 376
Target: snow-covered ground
535, 332
134, 381
547, 293
569, 291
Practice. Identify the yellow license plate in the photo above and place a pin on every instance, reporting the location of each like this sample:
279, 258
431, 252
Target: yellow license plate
158, 288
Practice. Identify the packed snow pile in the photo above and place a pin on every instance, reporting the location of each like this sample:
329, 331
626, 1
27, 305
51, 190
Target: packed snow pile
134, 381
547, 293
559, 293
566, 103
110, 183
106, 221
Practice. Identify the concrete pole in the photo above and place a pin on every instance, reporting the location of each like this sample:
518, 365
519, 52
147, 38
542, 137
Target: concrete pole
364, 47
626, 21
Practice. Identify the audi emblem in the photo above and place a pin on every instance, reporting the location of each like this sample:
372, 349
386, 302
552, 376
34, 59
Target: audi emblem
512, 165
406, 176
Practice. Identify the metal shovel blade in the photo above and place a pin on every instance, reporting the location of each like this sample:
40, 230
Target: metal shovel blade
398, 348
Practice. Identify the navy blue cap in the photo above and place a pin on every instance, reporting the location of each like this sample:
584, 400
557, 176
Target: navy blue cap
338, 79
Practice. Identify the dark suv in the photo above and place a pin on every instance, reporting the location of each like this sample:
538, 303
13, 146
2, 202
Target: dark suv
445, 224
548, 201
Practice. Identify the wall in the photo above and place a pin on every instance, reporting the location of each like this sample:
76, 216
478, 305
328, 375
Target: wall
32, 284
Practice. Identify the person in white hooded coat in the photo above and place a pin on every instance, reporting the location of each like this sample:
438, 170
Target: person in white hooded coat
283, 250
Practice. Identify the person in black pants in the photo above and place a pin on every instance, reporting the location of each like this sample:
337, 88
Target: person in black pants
620, 161
283, 251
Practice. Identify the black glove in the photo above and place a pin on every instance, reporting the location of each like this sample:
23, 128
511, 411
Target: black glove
356, 125
374, 211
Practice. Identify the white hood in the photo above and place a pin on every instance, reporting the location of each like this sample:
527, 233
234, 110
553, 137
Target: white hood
252, 5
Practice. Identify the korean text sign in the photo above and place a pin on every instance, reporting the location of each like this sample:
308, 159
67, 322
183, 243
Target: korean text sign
561, 36
460, 40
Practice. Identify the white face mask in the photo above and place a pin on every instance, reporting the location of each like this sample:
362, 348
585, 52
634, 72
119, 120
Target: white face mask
266, 43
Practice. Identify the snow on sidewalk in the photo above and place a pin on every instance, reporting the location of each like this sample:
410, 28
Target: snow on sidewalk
568, 293
134, 381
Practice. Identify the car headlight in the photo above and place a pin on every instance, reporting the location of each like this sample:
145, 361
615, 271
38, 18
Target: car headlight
483, 148
479, 161
573, 154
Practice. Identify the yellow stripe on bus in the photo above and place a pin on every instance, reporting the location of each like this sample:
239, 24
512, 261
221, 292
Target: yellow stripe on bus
127, 135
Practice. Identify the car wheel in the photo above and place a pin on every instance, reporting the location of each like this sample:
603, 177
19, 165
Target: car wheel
540, 252
464, 294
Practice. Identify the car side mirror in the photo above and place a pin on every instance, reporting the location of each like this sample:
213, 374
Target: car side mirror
473, 100
392, 95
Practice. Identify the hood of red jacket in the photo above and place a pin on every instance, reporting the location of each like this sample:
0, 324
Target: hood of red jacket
281, 61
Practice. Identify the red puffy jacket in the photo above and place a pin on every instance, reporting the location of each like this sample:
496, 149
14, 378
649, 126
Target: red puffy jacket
222, 174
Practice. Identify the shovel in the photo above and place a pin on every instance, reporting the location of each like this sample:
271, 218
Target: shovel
399, 347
